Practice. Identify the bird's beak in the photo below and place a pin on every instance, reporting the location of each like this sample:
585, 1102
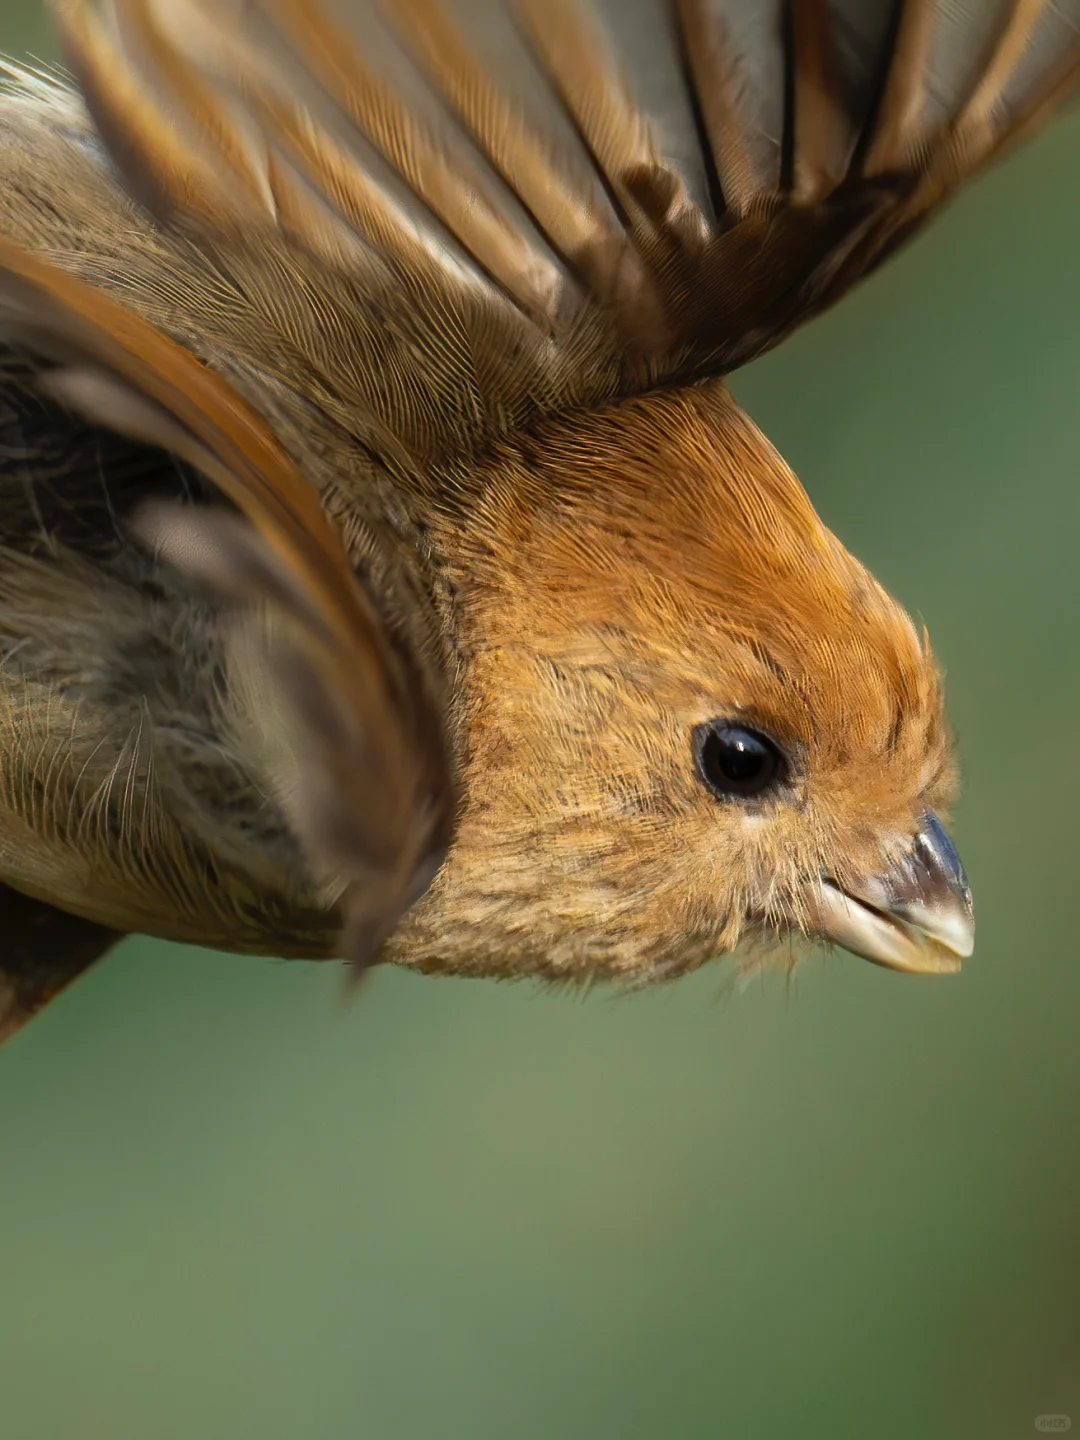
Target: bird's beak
916, 917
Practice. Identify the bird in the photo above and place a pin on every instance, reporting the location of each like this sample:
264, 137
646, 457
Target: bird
387, 572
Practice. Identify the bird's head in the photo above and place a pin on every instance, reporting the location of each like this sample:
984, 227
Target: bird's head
689, 717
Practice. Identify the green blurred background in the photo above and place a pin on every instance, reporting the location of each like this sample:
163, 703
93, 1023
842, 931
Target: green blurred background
848, 1207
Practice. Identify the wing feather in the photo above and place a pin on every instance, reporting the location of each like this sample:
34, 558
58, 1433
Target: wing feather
370, 798
686, 179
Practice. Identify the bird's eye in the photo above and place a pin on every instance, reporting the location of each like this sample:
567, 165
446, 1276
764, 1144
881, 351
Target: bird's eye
736, 762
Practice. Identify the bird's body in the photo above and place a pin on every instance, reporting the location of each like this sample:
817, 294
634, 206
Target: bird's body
480, 717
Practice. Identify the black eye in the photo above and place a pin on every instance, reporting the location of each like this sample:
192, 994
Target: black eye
736, 762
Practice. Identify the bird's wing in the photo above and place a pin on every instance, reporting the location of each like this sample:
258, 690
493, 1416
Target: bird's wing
45, 949
360, 755
649, 189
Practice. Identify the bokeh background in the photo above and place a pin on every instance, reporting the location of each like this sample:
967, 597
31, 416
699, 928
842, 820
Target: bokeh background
233, 1209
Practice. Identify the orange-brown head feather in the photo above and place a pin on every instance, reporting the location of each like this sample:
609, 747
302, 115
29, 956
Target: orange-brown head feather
626, 577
